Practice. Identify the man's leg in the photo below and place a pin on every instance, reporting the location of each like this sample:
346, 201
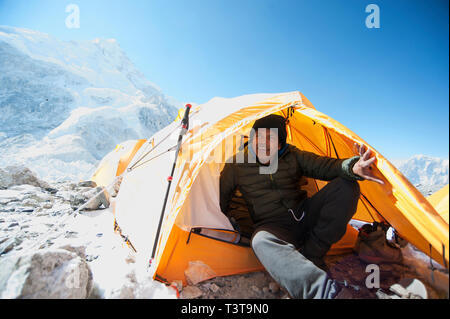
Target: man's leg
299, 276
327, 215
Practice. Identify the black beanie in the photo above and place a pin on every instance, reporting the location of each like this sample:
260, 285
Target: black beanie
272, 121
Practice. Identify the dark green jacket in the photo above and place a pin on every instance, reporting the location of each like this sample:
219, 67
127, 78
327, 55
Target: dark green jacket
266, 203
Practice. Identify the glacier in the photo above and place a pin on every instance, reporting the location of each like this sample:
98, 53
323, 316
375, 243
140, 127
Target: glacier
65, 104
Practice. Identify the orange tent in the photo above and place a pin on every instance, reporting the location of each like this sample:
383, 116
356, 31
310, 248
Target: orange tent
192, 217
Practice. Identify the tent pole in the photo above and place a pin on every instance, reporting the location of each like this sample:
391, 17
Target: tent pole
184, 129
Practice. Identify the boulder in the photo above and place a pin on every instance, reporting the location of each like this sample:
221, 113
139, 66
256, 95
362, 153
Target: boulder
45, 274
19, 175
95, 199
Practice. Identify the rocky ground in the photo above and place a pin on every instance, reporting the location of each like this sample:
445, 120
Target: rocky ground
47, 252
260, 285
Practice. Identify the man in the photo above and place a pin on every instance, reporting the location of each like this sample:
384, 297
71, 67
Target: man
292, 232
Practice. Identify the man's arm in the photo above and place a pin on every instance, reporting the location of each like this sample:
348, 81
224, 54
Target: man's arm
227, 186
326, 168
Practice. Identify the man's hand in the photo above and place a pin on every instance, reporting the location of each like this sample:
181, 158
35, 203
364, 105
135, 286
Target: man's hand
363, 166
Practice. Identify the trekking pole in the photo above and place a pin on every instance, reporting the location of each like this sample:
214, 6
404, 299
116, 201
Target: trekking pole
184, 129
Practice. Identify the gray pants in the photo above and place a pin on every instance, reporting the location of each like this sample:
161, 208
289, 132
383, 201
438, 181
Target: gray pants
327, 214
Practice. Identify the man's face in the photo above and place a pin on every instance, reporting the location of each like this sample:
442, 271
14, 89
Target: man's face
265, 144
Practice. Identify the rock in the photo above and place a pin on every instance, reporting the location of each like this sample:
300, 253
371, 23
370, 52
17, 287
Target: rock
47, 205
191, 292
47, 273
198, 271
103, 197
80, 250
24, 210
30, 202
19, 175
77, 200
259, 278
94, 199
70, 234
51, 190
91, 258
214, 288
9, 244
13, 224
255, 289
91, 184
274, 287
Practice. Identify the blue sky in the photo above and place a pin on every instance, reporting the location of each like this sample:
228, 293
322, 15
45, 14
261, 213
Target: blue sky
389, 85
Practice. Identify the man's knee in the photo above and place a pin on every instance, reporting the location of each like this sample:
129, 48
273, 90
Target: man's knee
349, 187
257, 239
264, 240
349, 193
260, 239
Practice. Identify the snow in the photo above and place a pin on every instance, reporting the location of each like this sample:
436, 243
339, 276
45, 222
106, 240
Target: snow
115, 270
115, 274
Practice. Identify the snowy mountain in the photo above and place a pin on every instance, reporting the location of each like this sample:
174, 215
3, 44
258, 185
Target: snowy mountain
428, 174
65, 104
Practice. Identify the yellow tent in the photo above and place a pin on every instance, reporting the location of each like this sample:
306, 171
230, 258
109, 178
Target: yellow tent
439, 200
115, 162
193, 215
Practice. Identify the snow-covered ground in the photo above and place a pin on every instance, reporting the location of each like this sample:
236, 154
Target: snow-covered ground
36, 222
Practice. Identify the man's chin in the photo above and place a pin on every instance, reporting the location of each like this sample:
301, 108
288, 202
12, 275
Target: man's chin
264, 159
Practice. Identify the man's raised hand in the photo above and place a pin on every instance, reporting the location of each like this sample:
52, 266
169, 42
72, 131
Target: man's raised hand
363, 167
